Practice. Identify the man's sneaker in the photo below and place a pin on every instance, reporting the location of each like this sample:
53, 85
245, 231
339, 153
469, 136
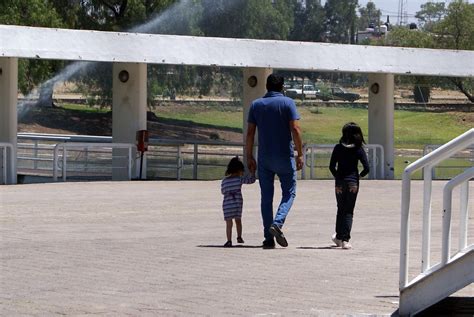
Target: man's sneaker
336, 241
228, 244
240, 240
268, 244
346, 245
278, 234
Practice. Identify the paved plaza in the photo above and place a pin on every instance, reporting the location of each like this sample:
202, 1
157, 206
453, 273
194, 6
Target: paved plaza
154, 248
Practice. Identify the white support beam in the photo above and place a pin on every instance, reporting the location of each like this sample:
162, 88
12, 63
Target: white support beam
83, 45
254, 81
128, 112
381, 117
8, 113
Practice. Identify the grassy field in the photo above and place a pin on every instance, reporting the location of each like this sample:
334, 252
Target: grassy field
83, 108
322, 125
413, 130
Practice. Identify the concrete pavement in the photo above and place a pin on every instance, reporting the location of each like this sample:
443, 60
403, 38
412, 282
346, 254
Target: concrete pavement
154, 249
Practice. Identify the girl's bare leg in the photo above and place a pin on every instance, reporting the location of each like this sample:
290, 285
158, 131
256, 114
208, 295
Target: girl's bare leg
229, 229
238, 224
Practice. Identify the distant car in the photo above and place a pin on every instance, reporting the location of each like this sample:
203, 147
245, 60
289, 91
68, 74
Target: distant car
305, 92
337, 93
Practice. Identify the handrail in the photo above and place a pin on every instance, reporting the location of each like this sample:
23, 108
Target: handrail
4, 146
65, 146
64, 137
431, 147
108, 139
373, 159
429, 161
447, 204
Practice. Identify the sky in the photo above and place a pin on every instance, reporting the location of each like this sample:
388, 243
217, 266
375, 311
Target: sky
390, 7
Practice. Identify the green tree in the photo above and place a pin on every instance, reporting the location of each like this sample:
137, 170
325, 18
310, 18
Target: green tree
341, 20
456, 31
256, 19
368, 15
309, 22
430, 14
38, 13
404, 37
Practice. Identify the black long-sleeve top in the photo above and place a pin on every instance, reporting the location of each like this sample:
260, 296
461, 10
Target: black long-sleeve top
347, 159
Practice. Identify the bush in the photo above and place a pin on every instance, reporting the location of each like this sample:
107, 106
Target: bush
421, 93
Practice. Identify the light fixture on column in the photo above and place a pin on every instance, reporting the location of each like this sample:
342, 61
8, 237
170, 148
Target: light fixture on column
375, 88
252, 81
123, 76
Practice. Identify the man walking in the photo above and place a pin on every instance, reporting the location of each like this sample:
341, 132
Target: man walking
279, 134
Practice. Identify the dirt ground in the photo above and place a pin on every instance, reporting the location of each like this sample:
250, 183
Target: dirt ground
59, 120
65, 121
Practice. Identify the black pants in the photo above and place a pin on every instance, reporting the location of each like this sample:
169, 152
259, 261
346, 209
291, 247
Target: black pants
346, 196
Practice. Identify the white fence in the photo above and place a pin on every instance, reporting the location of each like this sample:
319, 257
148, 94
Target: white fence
61, 155
6, 164
183, 159
166, 159
317, 158
35, 152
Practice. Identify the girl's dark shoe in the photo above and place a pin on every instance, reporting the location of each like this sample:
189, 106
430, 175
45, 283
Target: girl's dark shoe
228, 244
240, 240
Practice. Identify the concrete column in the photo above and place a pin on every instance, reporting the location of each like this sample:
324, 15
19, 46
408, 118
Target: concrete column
255, 80
128, 112
381, 122
8, 113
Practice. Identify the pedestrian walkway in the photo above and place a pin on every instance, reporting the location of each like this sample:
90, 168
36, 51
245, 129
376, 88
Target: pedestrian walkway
154, 248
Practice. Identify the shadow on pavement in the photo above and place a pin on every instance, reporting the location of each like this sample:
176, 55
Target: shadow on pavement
320, 248
234, 246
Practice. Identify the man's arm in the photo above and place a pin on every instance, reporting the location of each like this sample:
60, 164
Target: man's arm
298, 140
251, 164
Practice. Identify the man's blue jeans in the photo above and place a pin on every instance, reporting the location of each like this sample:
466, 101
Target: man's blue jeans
286, 171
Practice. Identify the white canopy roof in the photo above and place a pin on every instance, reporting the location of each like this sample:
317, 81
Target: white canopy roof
63, 44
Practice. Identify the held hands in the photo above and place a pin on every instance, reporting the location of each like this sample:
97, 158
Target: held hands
299, 163
251, 164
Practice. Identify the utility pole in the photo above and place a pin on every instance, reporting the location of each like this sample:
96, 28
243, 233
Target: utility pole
402, 12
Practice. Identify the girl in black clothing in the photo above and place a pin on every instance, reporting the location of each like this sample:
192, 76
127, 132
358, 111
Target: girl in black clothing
343, 166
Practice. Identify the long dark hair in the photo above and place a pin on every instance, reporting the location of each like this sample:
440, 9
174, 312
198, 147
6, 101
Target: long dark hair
352, 134
235, 165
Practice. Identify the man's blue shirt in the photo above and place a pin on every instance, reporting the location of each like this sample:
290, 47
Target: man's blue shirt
272, 115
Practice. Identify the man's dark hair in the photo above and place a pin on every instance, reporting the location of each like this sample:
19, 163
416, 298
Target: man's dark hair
275, 83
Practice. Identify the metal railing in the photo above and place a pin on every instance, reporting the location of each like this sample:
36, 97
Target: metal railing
189, 159
86, 147
427, 163
456, 163
322, 152
35, 151
170, 159
6, 164
463, 181
174, 159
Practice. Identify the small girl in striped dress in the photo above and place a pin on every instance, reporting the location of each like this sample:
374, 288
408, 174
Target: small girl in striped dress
231, 188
